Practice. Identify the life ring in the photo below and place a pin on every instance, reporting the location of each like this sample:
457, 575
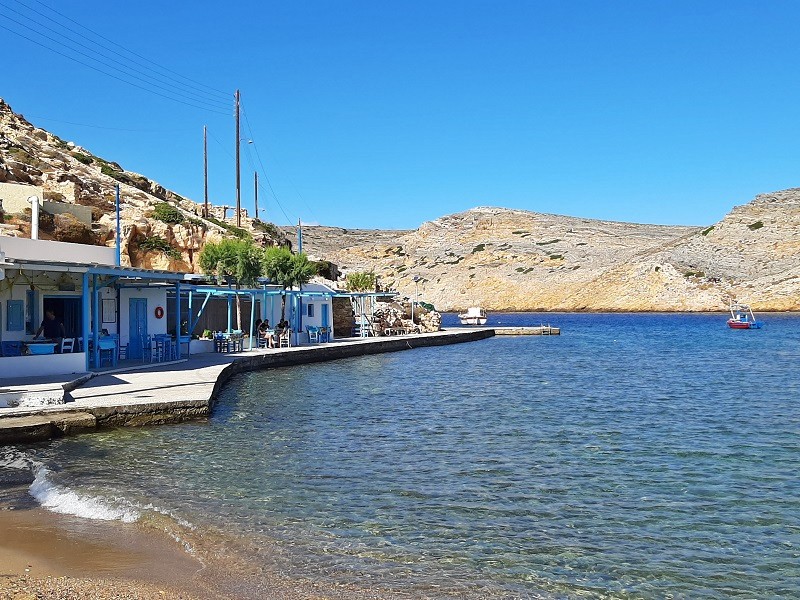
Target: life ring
159, 312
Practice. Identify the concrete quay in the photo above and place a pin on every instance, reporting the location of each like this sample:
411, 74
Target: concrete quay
187, 389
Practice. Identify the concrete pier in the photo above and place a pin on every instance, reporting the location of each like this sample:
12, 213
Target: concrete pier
186, 390
538, 330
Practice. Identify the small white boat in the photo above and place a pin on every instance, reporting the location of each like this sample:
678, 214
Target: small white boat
474, 316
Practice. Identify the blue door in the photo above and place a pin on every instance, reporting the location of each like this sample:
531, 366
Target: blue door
137, 318
324, 314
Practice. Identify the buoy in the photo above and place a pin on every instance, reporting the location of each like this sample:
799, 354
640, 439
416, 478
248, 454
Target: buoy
159, 312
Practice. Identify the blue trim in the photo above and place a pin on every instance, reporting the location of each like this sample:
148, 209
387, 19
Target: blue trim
95, 324
86, 317
178, 319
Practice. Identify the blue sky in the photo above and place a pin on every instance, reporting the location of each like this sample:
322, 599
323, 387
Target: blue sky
377, 114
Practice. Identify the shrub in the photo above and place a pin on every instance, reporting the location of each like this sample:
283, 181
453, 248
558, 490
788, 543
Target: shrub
155, 243
360, 282
238, 232
707, 230
167, 213
82, 158
549, 242
756, 225
479, 248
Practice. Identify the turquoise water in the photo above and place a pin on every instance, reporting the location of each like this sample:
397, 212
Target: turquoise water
637, 456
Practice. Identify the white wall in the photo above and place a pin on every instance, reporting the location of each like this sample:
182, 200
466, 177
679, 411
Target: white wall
15, 196
46, 251
155, 297
40, 366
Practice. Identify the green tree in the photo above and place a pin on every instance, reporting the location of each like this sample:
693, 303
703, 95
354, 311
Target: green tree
233, 261
287, 270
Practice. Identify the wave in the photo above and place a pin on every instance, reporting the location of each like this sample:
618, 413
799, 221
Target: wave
60, 498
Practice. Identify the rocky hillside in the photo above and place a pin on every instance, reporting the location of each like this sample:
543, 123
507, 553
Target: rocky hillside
493, 257
517, 260
160, 229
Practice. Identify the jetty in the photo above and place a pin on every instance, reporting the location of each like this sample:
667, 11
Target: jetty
537, 330
179, 391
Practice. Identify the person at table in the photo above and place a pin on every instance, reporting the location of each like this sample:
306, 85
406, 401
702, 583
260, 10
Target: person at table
52, 328
264, 333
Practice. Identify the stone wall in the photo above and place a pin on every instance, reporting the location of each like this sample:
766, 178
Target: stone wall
343, 321
82, 213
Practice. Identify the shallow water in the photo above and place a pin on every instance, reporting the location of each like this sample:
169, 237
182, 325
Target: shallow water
634, 455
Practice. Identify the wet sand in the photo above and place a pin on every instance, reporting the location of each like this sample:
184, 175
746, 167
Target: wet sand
47, 555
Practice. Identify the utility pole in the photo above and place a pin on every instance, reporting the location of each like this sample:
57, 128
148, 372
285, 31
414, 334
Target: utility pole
255, 189
238, 170
205, 172
299, 236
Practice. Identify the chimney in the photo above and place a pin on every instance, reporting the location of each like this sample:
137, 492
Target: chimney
34, 200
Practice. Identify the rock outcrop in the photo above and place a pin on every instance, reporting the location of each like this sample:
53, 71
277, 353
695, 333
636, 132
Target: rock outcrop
72, 174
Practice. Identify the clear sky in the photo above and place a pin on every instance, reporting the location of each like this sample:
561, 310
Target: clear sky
379, 114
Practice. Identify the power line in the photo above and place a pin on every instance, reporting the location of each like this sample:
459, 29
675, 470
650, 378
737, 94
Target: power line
216, 104
291, 182
155, 64
80, 62
212, 97
263, 170
39, 118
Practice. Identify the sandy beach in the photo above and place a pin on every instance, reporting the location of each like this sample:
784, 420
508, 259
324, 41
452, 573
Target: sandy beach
47, 555
44, 555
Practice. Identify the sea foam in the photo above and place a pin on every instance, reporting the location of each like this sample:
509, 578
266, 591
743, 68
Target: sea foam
61, 499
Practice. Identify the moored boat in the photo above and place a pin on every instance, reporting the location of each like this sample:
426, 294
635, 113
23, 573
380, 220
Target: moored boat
742, 317
474, 316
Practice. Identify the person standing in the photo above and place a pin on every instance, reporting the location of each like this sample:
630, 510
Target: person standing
52, 328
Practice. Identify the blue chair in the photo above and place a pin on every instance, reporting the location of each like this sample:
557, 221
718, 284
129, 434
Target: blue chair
12, 348
313, 334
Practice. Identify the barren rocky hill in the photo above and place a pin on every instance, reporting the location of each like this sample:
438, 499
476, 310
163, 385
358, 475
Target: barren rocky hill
160, 229
505, 259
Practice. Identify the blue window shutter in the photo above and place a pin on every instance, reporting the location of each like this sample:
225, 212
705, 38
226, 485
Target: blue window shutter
15, 315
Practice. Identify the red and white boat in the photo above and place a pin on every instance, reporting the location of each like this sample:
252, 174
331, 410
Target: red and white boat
742, 317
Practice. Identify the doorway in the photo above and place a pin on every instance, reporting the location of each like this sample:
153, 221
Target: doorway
137, 318
68, 310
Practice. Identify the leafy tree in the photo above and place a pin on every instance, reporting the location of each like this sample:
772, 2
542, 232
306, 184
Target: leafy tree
233, 260
360, 282
287, 270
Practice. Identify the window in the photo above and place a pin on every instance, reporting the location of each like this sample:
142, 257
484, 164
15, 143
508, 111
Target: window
310, 310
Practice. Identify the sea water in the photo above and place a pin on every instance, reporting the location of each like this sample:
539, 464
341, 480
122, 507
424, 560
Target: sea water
643, 456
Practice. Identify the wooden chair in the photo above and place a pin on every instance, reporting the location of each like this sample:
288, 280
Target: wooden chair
313, 334
107, 348
285, 339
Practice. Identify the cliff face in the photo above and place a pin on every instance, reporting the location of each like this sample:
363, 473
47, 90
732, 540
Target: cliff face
517, 260
71, 174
